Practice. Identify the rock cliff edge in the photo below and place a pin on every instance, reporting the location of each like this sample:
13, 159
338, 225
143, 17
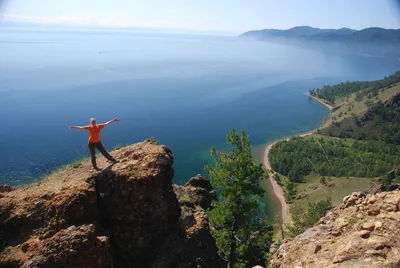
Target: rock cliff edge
127, 215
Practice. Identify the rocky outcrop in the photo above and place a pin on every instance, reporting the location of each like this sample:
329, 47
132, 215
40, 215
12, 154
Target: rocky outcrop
363, 232
197, 191
127, 215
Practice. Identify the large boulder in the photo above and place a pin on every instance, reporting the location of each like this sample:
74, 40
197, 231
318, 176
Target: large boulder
127, 215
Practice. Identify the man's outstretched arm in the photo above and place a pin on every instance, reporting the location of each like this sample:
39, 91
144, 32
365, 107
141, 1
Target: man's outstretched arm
76, 127
111, 121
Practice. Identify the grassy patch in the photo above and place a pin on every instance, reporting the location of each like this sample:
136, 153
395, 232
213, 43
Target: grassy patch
153, 140
133, 172
352, 220
76, 165
336, 188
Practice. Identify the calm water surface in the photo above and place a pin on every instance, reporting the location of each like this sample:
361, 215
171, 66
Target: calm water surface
187, 91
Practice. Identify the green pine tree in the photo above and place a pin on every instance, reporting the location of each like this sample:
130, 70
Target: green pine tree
243, 237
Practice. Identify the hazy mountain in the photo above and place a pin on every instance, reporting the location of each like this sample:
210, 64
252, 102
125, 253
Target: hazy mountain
374, 41
297, 32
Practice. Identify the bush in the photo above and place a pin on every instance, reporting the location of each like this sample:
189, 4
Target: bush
304, 219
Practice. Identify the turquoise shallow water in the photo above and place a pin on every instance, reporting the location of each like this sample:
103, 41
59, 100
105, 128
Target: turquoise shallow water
187, 91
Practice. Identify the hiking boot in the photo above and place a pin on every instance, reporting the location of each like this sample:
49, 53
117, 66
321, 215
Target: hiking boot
93, 169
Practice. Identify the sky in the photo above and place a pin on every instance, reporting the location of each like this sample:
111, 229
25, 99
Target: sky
233, 16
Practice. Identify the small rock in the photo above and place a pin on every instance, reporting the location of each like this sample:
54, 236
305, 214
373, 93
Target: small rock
5, 188
373, 211
378, 224
376, 242
368, 226
314, 248
299, 264
47, 234
372, 200
335, 233
340, 258
364, 233
351, 244
374, 252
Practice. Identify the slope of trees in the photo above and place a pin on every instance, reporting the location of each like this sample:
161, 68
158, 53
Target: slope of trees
243, 237
380, 122
389, 119
332, 157
331, 93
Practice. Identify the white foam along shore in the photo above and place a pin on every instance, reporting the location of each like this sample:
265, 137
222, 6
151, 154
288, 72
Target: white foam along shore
277, 189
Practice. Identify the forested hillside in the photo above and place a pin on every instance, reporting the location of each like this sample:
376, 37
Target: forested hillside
381, 121
333, 157
359, 141
332, 93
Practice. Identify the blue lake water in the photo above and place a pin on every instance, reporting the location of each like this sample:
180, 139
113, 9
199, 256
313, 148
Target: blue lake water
187, 91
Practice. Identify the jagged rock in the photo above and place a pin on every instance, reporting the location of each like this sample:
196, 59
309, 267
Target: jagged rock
199, 182
364, 233
196, 191
367, 238
124, 216
373, 210
71, 247
314, 248
5, 188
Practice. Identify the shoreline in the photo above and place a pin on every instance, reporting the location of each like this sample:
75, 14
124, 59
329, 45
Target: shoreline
277, 189
330, 107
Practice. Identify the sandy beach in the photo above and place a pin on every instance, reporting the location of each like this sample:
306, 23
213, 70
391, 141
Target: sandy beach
330, 107
278, 190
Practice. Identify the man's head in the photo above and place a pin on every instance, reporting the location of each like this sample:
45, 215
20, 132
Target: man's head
92, 121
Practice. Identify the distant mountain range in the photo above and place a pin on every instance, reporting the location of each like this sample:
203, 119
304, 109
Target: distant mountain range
374, 41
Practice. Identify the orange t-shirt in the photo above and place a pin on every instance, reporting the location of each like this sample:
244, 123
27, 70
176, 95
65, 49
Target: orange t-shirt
94, 132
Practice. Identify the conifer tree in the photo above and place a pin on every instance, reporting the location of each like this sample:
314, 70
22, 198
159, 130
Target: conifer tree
241, 232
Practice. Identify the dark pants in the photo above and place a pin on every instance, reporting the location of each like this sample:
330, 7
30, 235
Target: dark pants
99, 146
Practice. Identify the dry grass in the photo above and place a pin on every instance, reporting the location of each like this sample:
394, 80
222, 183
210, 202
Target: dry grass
336, 188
